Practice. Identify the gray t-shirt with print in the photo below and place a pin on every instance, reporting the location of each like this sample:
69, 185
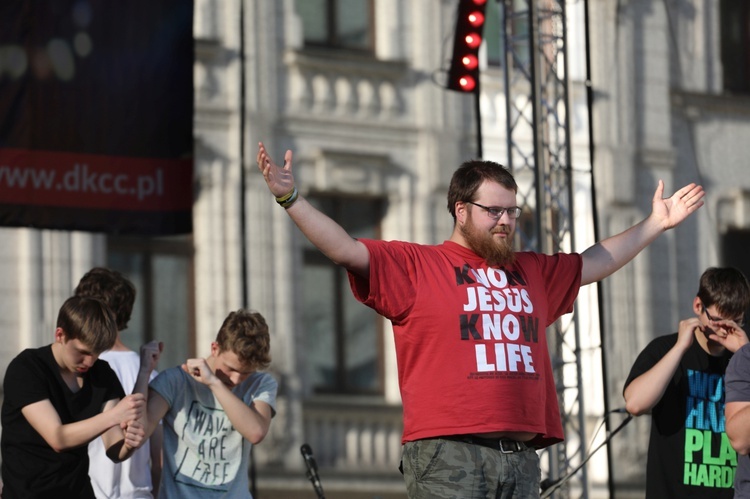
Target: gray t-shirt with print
203, 455
737, 385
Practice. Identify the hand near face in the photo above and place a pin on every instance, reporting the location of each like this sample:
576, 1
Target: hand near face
728, 334
199, 370
686, 331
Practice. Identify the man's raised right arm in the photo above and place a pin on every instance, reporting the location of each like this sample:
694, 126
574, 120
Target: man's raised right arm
323, 232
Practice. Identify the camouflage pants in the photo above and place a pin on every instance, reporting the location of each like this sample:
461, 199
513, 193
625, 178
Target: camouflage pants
446, 469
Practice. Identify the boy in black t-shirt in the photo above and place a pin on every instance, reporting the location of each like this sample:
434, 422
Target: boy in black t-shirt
60, 397
679, 379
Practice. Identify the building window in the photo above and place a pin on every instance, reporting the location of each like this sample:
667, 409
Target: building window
508, 22
493, 34
162, 271
341, 24
735, 45
343, 346
530, 238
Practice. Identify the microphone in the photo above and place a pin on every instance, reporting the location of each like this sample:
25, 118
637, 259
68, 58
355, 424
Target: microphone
312, 470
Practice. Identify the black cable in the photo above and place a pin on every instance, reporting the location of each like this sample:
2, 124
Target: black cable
243, 202
478, 118
603, 420
595, 217
549, 486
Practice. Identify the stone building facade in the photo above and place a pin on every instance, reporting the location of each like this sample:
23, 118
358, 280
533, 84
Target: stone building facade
357, 96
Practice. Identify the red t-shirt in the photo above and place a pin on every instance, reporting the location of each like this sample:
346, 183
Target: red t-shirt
470, 340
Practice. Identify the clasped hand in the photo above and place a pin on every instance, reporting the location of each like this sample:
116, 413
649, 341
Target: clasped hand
199, 370
130, 410
150, 354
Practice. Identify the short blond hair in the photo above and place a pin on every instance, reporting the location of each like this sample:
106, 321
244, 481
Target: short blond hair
246, 334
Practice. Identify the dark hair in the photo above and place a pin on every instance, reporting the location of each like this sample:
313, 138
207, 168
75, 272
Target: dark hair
470, 175
90, 321
727, 288
112, 288
246, 334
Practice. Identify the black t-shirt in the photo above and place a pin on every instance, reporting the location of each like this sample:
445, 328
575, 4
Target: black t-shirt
31, 468
689, 454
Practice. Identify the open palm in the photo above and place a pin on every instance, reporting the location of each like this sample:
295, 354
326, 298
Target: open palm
672, 211
279, 179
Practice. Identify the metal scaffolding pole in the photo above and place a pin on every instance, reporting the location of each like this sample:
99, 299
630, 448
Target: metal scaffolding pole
539, 154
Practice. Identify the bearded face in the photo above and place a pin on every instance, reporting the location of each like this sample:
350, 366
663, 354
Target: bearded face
496, 251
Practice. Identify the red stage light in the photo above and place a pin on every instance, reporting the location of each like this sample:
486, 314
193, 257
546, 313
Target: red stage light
463, 75
467, 83
473, 40
476, 19
470, 61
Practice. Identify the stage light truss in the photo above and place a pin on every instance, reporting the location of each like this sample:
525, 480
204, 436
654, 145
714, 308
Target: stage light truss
539, 154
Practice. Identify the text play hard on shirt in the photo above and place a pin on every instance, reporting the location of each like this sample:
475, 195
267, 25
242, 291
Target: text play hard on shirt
704, 465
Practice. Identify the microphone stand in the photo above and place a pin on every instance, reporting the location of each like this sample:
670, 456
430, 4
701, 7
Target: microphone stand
312, 470
550, 486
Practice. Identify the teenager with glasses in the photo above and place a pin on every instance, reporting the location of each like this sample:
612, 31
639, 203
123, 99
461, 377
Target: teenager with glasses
469, 318
679, 380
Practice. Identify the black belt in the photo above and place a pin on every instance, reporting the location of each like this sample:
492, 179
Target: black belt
504, 445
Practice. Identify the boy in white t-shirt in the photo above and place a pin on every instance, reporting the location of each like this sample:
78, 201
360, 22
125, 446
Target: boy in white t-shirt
139, 476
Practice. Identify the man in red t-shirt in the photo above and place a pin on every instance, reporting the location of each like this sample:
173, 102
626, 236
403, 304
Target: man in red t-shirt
469, 317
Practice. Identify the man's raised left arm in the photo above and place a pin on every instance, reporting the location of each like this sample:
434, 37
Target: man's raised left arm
606, 257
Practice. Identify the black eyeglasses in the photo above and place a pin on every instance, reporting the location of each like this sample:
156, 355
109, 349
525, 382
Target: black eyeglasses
496, 213
739, 322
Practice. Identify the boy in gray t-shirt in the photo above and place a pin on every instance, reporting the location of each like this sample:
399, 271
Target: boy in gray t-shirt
214, 410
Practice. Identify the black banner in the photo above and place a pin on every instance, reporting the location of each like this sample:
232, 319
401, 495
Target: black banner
96, 115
